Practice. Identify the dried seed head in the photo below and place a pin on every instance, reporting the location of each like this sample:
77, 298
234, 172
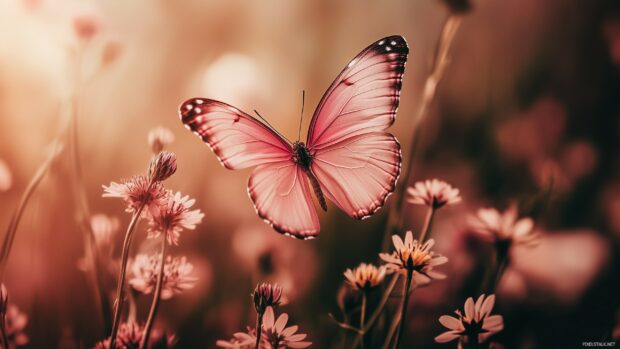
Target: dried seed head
162, 166
266, 295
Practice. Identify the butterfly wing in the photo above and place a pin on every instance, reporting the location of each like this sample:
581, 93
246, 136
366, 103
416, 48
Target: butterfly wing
237, 139
277, 186
355, 161
282, 197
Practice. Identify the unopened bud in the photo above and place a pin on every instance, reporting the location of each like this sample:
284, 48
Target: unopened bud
266, 295
162, 166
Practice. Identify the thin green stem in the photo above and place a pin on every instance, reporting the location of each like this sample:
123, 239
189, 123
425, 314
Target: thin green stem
120, 288
403, 311
156, 296
430, 214
11, 230
259, 328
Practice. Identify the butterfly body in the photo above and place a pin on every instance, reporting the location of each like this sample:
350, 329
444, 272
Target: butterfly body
348, 157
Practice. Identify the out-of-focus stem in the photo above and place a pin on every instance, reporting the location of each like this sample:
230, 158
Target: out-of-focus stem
11, 230
427, 224
375, 315
403, 311
120, 288
446, 38
156, 296
362, 315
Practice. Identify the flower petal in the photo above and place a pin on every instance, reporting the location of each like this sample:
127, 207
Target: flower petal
451, 322
447, 337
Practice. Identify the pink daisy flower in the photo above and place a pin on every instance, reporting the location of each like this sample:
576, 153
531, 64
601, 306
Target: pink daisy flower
433, 193
177, 275
411, 255
15, 322
240, 340
172, 216
130, 335
475, 325
366, 276
505, 226
137, 192
277, 336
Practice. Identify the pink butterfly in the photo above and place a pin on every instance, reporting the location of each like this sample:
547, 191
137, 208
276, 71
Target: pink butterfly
348, 157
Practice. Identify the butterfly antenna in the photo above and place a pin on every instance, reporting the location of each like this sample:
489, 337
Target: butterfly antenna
271, 127
301, 119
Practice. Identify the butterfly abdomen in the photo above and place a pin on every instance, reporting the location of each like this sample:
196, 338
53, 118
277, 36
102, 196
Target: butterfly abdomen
303, 158
317, 189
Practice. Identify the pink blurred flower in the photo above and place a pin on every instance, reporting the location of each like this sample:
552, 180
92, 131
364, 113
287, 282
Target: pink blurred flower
277, 335
104, 228
433, 193
85, 27
476, 323
6, 179
16, 322
137, 192
505, 226
366, 276
130, 334
172, 216
266, 295
159, 138
177, 275
240, 340
411, 255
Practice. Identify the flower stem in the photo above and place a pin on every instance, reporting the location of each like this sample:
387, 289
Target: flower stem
403, 311
448, 32
501, 262
120, 288
5, 338
427, 224
259, 328
156, 296
362, 316
11, 230
375, 315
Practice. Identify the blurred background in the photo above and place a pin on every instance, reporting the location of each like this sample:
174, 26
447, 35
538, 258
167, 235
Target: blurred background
528, 108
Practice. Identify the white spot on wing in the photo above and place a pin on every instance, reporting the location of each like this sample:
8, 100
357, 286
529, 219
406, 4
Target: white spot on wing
387, 48
188, 107
381, 42
393, 42
199, 101
197, 110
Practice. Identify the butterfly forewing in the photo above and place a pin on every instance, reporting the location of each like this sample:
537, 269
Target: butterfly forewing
364, 97
354, 160
238, 140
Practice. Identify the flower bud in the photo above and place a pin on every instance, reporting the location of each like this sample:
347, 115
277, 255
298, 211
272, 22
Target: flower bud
266, 295
162, 166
